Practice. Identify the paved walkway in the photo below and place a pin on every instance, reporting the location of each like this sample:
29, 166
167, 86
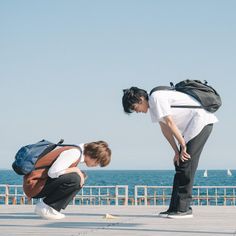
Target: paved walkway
131, 220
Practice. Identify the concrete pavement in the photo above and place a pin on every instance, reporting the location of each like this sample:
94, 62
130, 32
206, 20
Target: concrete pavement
130, 220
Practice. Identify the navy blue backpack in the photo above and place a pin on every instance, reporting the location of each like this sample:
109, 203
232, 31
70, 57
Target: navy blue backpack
27, 156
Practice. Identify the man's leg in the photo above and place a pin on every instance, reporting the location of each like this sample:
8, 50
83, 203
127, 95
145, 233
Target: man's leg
185, 173
174, 195
187, 169
60, 191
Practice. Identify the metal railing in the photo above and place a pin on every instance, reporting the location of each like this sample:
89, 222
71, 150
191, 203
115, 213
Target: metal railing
89, 195
122, 195
13, 194
201, 195
102, 195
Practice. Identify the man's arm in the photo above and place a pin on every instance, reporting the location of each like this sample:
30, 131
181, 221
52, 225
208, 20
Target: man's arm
64, 161
171, 131
78, 171
169, 136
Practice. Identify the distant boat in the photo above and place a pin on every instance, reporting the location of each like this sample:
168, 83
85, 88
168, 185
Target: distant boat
229, 173
205, 173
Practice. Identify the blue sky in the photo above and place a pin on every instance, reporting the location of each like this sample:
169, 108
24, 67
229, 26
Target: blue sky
63, 65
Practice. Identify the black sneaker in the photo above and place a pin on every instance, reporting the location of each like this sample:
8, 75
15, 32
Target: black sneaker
181, 214
164, 214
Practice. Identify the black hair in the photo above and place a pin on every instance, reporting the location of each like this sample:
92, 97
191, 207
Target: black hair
131, 96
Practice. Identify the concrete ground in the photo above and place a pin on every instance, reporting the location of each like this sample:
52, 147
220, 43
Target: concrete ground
130, 220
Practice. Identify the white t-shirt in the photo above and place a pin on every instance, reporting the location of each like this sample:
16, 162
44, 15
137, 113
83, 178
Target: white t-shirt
65, 160
190, 121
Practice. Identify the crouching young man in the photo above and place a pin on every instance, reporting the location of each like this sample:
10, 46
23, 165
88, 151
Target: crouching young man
57, 179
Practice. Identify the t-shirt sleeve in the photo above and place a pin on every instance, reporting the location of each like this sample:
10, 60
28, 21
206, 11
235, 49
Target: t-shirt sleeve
159, 106
65, 160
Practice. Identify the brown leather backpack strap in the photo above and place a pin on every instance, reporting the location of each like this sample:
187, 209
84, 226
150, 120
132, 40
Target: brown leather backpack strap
48, 159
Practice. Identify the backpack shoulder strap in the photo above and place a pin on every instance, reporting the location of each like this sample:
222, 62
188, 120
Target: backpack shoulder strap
171, 87
48, 159
70, 145
175, 88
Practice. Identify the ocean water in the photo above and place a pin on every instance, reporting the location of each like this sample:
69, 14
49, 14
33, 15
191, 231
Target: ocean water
138, 177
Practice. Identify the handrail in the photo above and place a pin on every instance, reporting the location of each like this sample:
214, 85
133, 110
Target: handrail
123, 195
201, 195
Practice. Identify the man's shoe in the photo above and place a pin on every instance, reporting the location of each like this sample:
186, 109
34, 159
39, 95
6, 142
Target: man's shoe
39, 207
59, 214
181, 215
48, 212
164, 214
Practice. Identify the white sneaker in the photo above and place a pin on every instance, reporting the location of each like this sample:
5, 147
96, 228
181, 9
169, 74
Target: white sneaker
38, 207
47, 212
57, 213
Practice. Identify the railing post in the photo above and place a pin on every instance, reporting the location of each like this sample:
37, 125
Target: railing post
155, 199
116, 196
163, 196
145, 195
198, 197
126, 195
29, 201
225, 197
7, 195
216, 196
234, 197
135, 195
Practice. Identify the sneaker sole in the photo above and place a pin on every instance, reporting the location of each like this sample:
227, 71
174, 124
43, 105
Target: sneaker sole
180, 217
52, 218
163, 215
49, 217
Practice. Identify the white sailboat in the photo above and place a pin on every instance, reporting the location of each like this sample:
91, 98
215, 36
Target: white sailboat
205, 173
229, 173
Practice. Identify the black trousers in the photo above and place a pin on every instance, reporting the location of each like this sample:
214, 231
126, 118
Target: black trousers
58, 192
184, 173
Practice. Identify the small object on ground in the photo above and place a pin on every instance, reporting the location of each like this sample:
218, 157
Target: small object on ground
109, 216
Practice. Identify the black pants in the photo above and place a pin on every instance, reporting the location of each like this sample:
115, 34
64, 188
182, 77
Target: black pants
184, 173
58, 192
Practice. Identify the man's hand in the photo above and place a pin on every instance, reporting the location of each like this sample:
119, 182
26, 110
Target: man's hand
82, 179
176, 159
184, 156
79, 172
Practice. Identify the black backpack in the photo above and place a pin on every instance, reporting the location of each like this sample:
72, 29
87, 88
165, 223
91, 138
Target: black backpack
27, 156
207, 96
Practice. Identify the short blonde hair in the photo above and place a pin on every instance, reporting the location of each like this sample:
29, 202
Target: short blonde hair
98, 151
